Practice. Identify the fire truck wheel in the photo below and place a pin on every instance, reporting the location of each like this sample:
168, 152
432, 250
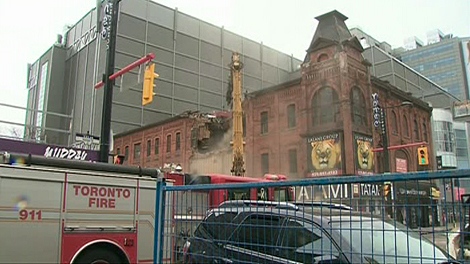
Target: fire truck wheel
98, 256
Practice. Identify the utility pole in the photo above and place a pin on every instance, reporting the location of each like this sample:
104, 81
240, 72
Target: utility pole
108, 32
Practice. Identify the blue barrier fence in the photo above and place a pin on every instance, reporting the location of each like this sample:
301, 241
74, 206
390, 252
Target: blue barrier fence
416, 217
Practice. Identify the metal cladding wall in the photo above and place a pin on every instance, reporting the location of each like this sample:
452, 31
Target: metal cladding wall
191, 56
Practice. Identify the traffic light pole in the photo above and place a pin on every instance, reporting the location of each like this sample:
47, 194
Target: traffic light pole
109, 84
386, 160
383, 125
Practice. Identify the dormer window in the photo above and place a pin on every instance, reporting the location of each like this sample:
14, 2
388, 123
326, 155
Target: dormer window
322, 57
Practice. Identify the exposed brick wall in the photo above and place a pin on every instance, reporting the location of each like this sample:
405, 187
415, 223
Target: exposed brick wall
182, 126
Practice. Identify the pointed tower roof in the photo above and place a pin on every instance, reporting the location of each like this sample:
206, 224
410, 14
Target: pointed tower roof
332, 30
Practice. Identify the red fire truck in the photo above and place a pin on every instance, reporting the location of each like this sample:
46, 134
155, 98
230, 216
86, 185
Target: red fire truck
63, 211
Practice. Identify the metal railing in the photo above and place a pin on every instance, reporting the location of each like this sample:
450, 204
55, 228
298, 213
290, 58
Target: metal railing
332, 220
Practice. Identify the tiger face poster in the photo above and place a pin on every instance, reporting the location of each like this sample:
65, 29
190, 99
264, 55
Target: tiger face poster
325, 155
363, 154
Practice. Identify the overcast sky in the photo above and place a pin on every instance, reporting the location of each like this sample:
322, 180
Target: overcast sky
29, 27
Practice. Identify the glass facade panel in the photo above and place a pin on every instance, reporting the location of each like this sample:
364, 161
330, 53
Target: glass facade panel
445, 136
426, 53
41, 97
461, 148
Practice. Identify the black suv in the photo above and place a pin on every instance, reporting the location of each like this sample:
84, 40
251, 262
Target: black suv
277, 232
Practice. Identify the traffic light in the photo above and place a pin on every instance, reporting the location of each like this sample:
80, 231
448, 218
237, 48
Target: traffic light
118, 159
423, 158
149, 78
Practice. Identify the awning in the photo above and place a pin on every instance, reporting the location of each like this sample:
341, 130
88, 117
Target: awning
416, 189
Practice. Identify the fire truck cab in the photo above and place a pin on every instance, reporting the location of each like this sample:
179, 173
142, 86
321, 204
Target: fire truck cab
61, 211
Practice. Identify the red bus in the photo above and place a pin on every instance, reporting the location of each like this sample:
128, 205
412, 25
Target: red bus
216, 197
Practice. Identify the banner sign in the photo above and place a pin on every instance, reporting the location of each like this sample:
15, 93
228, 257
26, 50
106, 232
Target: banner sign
363, 154
324, 154
61, 152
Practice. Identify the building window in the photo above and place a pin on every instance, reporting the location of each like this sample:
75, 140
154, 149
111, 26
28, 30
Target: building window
157, 146
394, 123
194, 137
264, 163
358, 107
406, 128
264, 122
168, 143
416, 129
293, 161
445, 138
118, 151
41, 103
425, 132
291, 120
126, 153
136, 151
461, 144
149, 148
178, 141
322, 57
325, 105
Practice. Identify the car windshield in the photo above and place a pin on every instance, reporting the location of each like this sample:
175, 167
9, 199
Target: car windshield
384, 242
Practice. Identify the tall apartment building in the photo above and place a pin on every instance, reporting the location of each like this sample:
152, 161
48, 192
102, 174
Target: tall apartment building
441, 60
192, 58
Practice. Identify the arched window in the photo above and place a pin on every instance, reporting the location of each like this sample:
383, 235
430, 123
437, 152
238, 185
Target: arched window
322, 57
291, 119
325, 105
425, 132
416, 129
406, 128
358, 104
394, 123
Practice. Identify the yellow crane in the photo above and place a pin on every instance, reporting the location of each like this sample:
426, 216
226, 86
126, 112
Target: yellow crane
238, 164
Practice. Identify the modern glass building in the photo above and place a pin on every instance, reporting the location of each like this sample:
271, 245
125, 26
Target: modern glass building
387, 67
192, 58
441, 61
444, 137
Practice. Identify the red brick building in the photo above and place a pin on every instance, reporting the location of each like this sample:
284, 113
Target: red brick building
175, 140
322, 123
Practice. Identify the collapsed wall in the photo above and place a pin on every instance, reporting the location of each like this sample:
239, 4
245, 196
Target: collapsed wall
212, 152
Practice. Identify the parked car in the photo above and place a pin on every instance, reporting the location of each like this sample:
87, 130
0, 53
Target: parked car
272, 232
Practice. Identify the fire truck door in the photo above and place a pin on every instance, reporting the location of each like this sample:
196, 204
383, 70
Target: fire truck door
30, 209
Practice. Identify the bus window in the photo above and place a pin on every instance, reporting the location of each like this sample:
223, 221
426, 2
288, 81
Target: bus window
281, 195
190, 179
239, 194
